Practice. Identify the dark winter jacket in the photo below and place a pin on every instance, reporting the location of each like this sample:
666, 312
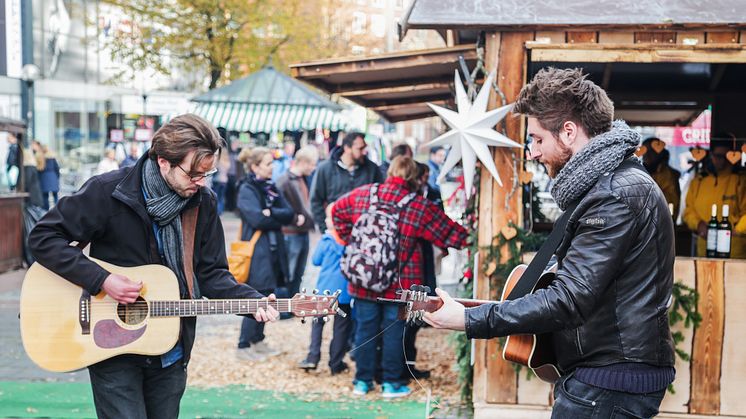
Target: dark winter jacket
109, 213
49, 178
269, 264
609, 301
332, 181
291, 186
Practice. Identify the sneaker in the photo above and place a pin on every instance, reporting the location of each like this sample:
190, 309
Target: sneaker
391, 390
249, 354
361, 388
307, 365
264, 349
340, 368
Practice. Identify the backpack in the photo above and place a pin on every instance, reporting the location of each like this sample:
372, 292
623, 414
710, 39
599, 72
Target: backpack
370, 257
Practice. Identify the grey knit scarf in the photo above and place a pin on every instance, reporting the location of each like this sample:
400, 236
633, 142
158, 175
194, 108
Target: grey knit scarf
164, 206
602, 154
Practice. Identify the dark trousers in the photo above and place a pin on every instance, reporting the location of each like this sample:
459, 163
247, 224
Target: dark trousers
127, 387
372, 317
45, 199
410, 351
340, 339
296, 246
252, 331
576, 400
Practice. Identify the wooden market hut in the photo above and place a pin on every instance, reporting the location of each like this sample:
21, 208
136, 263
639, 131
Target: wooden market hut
663, 63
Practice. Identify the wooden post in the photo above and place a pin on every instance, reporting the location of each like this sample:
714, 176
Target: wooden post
708, 339
495, 381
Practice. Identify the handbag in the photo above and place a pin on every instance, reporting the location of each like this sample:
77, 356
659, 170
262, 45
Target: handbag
239, 261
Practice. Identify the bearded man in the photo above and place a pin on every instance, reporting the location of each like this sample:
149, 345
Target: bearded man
607, 308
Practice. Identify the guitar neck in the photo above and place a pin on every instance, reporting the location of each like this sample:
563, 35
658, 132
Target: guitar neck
468, 302
190, 308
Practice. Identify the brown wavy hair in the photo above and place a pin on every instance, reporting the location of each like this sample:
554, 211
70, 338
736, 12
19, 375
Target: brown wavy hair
183, 134
555, 96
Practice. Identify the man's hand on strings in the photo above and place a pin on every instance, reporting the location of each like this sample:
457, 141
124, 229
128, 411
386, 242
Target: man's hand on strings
268, 315
121, 288
449, 316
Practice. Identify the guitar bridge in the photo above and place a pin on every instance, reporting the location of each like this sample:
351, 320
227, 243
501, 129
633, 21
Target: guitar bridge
84, 312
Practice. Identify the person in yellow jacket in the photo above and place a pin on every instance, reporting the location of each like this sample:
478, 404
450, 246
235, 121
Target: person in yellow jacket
718, 185
665, 176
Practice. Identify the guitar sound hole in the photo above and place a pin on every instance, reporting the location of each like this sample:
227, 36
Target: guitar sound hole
133, 313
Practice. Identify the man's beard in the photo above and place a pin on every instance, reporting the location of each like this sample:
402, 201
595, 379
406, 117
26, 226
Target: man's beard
554, 166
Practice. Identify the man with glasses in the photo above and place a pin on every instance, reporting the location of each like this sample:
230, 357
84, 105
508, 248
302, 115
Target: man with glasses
133, 216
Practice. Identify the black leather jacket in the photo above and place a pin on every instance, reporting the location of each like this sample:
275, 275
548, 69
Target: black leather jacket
609, 301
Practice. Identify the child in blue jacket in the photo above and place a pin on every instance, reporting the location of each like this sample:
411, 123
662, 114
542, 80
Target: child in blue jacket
327, 255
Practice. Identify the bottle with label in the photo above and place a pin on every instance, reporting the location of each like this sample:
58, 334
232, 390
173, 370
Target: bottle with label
712, 233
724, 234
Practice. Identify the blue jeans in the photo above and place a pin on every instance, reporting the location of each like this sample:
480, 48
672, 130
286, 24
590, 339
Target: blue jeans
576, 400
371, 318
296, 247
219, 189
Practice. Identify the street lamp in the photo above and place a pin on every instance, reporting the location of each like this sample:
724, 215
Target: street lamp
29, 74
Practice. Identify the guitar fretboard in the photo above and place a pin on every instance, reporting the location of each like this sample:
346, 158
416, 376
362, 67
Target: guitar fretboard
186, 308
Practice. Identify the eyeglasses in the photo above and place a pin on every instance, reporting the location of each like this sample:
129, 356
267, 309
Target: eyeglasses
197, 178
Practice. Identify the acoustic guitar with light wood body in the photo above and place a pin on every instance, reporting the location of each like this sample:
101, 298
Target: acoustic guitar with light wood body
64, 328
532, 351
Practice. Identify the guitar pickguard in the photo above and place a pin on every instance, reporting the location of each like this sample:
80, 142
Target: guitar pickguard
108, 334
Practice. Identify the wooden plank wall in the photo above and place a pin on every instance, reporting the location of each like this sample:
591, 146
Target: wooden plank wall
495, 380
684, 272
733, 373
11, 222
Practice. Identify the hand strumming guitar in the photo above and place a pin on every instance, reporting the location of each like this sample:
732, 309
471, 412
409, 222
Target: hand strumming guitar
449, 316
121, 288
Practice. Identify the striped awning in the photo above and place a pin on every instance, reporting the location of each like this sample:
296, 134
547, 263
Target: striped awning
253, 117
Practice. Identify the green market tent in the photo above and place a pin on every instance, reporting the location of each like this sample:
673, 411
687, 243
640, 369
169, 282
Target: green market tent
268, 101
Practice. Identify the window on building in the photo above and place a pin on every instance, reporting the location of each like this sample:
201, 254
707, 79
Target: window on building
358, 23
378, 25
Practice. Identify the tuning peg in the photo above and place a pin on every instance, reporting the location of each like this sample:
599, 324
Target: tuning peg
426, 289
302, 320
303, 291
337, 292
327, 292
315, 291
341, 312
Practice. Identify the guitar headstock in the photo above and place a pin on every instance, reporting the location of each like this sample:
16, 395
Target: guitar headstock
414, 303
315, 305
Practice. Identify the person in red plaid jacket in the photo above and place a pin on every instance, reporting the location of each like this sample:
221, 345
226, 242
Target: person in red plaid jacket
420, 219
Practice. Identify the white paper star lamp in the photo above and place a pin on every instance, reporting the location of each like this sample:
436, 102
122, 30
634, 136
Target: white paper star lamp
471, 133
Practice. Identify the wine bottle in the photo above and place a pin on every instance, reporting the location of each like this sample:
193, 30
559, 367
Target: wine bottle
724, 233
712, 233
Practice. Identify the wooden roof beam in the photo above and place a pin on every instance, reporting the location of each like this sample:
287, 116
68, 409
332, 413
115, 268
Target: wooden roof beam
399, 89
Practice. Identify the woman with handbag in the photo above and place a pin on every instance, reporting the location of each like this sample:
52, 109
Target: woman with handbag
262, 209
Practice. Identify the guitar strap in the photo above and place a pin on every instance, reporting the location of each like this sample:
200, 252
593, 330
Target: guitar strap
188, 229
538, 264
533, 272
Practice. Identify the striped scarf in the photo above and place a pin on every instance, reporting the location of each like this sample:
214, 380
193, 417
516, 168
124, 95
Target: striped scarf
164, 206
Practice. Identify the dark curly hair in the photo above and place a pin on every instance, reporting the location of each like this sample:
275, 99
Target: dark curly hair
555, 96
